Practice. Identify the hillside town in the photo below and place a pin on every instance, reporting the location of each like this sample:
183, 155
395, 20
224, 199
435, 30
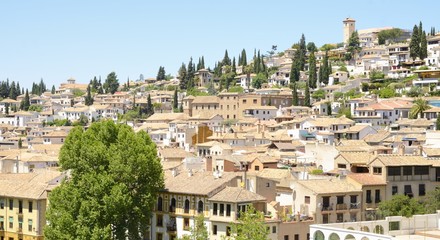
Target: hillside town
315, 146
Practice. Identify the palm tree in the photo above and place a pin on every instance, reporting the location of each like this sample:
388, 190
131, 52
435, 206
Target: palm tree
418, 108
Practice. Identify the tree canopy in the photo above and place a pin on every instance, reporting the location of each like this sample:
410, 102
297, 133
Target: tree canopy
250, 225
113, 185
111, 83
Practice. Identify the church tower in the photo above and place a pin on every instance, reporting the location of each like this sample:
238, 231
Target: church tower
349, 28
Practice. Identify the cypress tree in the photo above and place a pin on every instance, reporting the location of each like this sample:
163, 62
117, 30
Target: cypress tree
150, 110
312, 70
243, 57
414, 45
226, 60
183, 76
325, 70
88, 99
294, 95
18, 89
321, 77
307, 96
294, 71
13, 91
202, 64
302, 52
175, 100
26, 101
53, 89
423, 46
233, 68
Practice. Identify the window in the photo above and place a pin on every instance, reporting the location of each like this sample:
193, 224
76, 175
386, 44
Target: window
228, 210
286, 237
377, 196
20, 206
268, 184
295, 237
422, 191
324, 218
407, 171
30, 206
222, 209
11, 222
11, 204
228, 231
200, 207
186, 210
254, 101
342, 165
159, 220
339, 217
214, 210
407, 191
2, 204
394, 190
257, 168
186, 224
173, 205
307, 199
368, 196
421, 170
274, 229
159, 204
394, 171
339, 199
377, 170
30, 225
2, 223
159, 236
214, 229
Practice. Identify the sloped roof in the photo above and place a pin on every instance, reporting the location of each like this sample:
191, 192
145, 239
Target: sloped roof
26, 185
236, 195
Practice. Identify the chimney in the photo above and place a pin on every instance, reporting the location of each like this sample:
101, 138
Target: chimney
401, 150
208, 164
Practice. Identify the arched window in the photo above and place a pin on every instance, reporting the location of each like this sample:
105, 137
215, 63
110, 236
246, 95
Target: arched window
200, 207
173, 205
334, 236
186, 206
159, 204
318, 235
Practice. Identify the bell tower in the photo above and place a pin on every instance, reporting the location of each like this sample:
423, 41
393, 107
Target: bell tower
349, 28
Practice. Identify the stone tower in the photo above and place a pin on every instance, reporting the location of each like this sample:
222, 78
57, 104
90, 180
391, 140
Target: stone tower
349, 28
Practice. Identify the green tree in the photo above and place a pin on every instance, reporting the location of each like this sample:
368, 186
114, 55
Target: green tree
344, 111
250, 225
311, 47
390, 35
432, 201
312, 70
353, 45
295, 70
53, 89
111, 83
318, 94
302, 52
226, 60
423, 46
400, 205
13, 91
161, 73
294, 95
329, 108
414, 44
199, 231
113, 186
259, 80
183, 76
20, 143
88, 100
419, 106
243, 61
35, 108
386, 92
26, 101
150, 108
175, 100
307, 96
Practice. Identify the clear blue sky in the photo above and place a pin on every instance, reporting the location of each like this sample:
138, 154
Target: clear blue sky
55, 40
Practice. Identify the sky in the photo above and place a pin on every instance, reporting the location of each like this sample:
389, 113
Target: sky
56, 40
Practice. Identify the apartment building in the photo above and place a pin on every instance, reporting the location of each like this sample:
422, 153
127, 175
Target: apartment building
23, 201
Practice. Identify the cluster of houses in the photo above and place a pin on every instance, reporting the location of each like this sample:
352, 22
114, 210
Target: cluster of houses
298, 165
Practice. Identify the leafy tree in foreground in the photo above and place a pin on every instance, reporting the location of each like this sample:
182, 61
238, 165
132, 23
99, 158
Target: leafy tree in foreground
115, 178
250, 225
432, 201
199, 231
400, 205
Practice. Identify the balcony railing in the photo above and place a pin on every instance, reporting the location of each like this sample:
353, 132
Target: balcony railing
327, 208
354, 205
341, 206
171, 227
19, 230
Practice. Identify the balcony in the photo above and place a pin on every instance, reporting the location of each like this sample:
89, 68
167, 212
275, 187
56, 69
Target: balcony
341, 206
354, 205
19, 230
326, 208
171, 225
